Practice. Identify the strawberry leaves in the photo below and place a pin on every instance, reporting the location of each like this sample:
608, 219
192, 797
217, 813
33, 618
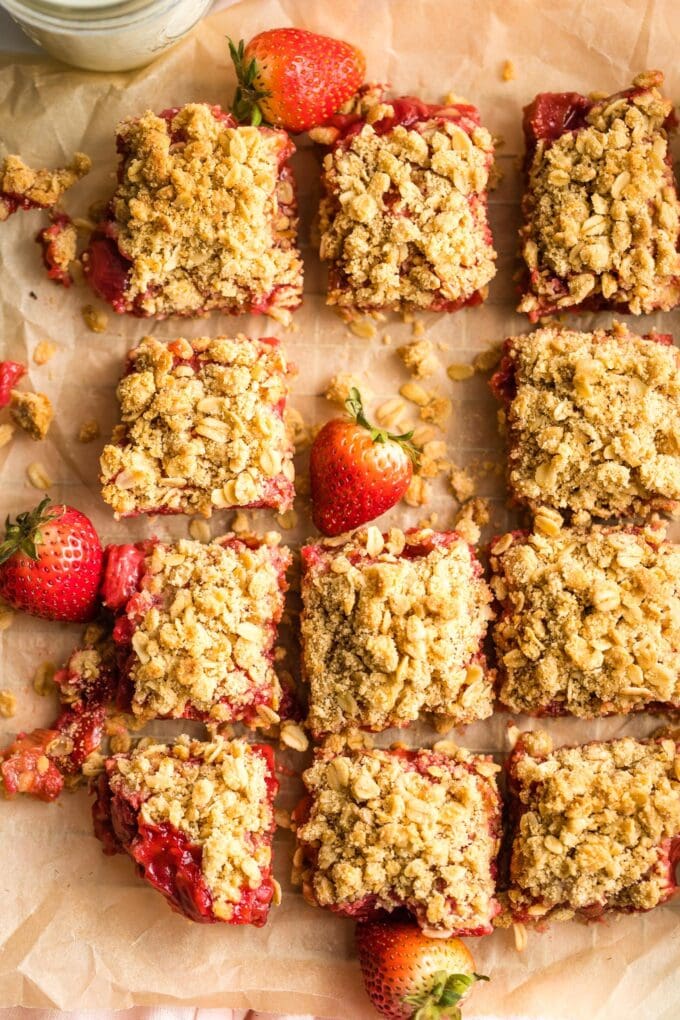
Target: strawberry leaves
442, 998
24, 534
355, 408
248, 95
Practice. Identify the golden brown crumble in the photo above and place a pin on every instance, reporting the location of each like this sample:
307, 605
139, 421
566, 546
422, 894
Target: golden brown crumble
6, 433
94, 318
202, 429
595, 825
205, 629
418, 830
403, 218
38, 476
44, 352
419, 358
89, 430
208, 222
339, 387
388, 637
32, 412
508, 72
8, 704
459, 372
591, 621
215, 793
595, 423
63, 248
602, 211
39, 187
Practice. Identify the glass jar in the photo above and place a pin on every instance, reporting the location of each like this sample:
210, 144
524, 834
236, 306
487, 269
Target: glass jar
106, 35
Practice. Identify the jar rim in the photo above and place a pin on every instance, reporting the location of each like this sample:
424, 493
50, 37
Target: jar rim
99, 14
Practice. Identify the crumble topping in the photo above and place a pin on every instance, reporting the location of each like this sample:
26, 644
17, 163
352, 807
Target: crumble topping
392, 628
205, 212
37, 187
204, 626
417, 829
403, 219
32, 412
59, 244
595, 422
595, 825
591, 620
419, 358
601, 208
217, 794
202, 429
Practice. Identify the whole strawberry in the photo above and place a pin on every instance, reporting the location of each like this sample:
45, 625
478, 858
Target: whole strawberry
51, 563
293, 78
357, 472
411, 977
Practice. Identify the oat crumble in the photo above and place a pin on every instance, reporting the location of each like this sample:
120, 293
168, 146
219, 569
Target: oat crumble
601, 208
25, 188
202, 429
591, 620
392, 628
418, 829
203, 629
403, 216
32, 412
593, 420
219, 795
419, 358
595, 826
204, 216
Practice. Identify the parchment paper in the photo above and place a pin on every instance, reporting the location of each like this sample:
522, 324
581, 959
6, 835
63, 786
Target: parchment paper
78, 929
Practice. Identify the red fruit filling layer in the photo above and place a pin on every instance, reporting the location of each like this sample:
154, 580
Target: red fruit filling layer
10, 374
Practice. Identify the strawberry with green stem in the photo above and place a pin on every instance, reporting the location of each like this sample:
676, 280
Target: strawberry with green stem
357, 471
411, 977
51, 563
294, 79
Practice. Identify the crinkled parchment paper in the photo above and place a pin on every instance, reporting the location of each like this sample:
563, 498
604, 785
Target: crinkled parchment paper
78, 929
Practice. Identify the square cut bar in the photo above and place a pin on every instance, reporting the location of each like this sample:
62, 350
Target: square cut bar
596, 828
204, 217
590, 621
196, 626
392, 628
403, 215
600, 207
592, 420
416, 830
198, 820
202, 429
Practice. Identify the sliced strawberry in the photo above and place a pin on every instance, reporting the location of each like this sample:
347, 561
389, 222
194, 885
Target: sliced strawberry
51, 563
357, 472
411, 977
123, 569
10, 374
293, 78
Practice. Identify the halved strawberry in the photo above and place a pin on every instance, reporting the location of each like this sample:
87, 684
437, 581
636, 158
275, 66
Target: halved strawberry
51, 563
411, 977
357, 472
293, 78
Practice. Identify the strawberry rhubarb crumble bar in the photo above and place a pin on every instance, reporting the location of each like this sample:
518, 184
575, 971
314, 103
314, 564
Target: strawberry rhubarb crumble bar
204, 217
592, 420
196, 626
197, 819
590, 621
403, 215
392, 627
596, 828
601, 208
415, 830
202, 429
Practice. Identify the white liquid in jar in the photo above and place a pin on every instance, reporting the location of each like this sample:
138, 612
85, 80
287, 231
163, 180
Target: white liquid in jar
106, 35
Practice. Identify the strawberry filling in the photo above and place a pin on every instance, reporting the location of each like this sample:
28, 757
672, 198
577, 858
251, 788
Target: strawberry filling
107, 267
10, 374
27, 768
49, 240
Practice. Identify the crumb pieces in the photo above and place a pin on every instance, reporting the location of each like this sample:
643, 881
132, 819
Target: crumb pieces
89, 430
22, 187
458, 372
287, 520
38, 476
363, 328
44, 352
471, 518
43, 679
419, 358
296, 429
340, 385
8, 704
199, 529
437, 411
32, 412
419, 492
488, 359
462, 484
241, 523
508, 71
95, 318
6, 433
292, 735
